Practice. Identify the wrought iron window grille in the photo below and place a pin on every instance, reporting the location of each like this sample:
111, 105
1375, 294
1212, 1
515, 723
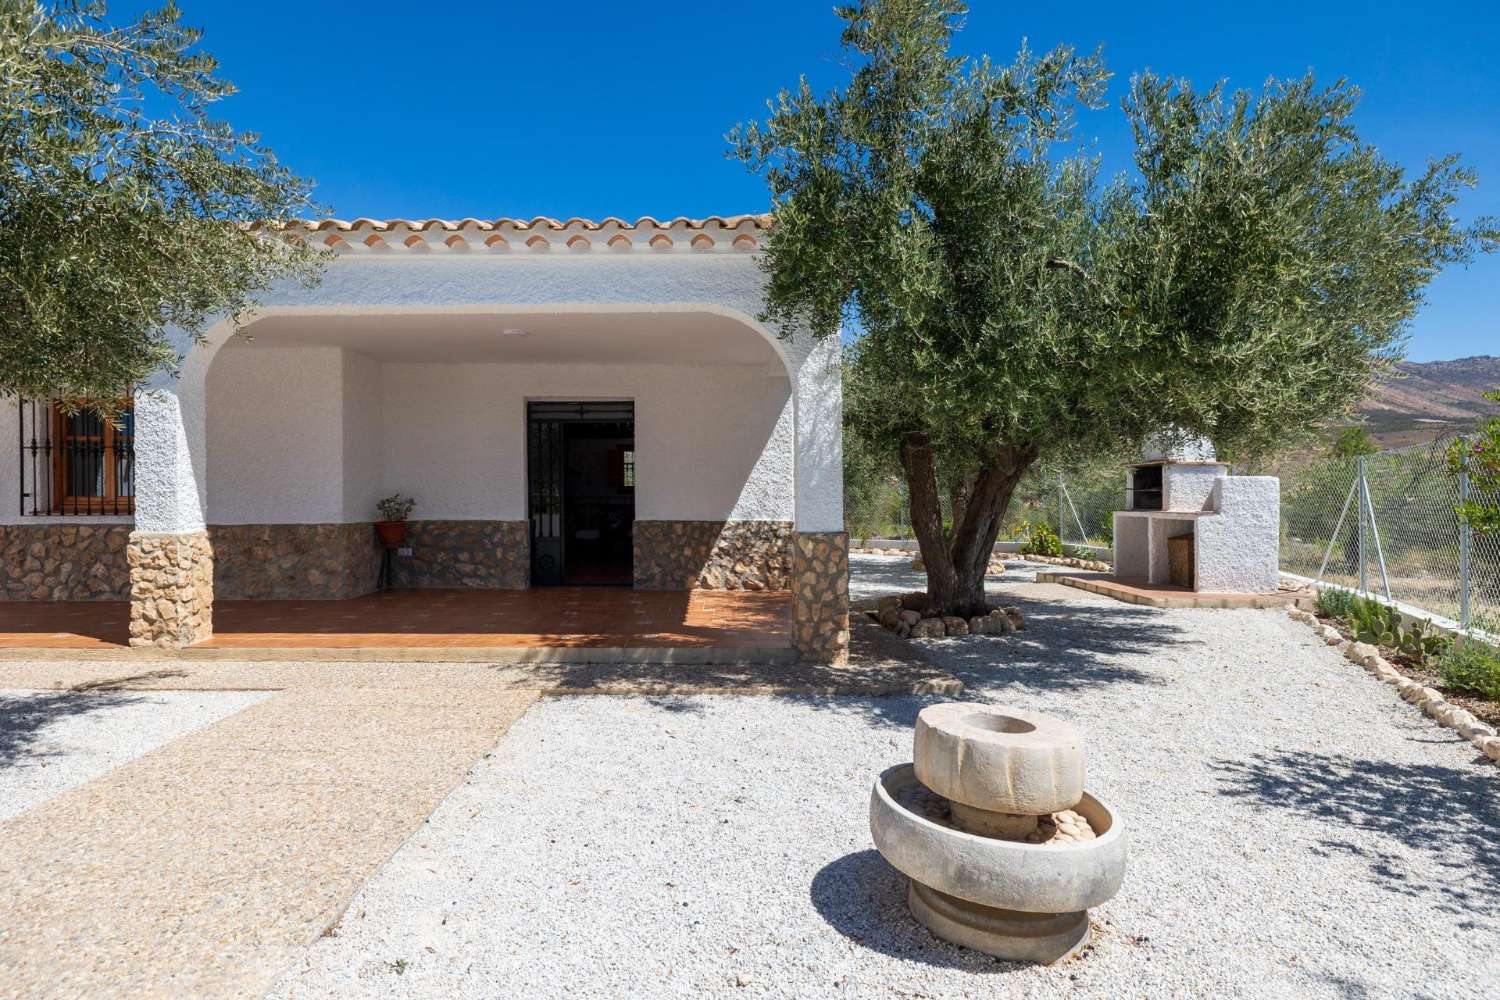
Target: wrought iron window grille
75, 464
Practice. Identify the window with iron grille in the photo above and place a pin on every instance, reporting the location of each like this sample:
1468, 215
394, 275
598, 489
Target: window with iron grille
76, 462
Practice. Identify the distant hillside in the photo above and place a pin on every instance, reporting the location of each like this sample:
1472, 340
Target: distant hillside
1426, 399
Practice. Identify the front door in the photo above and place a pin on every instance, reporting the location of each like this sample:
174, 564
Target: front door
581, 472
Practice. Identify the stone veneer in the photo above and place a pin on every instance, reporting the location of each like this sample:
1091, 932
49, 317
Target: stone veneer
64, 562
171, 588
294, 561
820, 596
476, 554
713, 555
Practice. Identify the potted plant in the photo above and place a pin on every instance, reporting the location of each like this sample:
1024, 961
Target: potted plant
394, 510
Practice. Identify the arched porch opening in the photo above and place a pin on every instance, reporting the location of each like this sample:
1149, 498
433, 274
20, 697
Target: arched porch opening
311, 418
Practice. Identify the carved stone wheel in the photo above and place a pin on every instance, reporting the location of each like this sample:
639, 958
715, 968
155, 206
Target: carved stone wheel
996, 759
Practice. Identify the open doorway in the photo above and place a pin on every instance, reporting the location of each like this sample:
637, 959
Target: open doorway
581, 472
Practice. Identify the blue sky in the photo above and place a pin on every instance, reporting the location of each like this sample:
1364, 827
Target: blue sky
599, 108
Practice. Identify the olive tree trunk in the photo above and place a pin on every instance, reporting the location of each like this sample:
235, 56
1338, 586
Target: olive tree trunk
956, 565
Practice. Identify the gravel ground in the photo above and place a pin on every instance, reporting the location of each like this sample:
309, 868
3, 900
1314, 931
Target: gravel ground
51, 741
1296, 831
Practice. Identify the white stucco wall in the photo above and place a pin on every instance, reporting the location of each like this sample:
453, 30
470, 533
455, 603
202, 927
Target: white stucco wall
1132, 544
364, 437
1238, 551
1189, 487
276, 436
711, 442
318, 434
172, 446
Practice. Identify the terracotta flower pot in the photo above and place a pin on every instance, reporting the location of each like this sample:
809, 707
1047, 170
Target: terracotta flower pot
392, 533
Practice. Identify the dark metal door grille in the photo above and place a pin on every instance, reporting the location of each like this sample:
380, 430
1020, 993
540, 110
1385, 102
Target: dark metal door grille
546, 425
545, 488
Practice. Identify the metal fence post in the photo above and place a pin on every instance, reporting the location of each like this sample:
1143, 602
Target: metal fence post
1465, 540
1062, 518
1364, 499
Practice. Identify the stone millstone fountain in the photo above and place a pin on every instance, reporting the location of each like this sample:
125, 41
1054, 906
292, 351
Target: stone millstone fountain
1005, 850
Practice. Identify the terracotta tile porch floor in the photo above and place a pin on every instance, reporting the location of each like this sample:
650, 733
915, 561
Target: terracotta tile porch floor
551, 617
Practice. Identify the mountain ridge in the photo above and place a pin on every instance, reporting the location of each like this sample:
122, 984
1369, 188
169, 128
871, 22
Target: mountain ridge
1423, 400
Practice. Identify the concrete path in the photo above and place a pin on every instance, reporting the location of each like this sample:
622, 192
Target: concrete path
51, 741
202, 868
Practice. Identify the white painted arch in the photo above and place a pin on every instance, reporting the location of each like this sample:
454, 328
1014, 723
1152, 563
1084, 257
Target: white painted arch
171, 428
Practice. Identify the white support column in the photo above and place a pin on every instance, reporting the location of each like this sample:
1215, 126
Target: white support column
820, 556
171, 561
819, 393
169, 434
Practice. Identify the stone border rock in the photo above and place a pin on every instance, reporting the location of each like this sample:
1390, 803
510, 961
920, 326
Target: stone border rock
997, 562
1097, 565
899, 613
1482, 735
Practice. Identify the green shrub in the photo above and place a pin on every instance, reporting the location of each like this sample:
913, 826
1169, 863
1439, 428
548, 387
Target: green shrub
1472, 666
1334, 603
1043, 542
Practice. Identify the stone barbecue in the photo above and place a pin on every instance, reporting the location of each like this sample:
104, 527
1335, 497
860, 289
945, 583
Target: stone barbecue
1004, 848
1191, 524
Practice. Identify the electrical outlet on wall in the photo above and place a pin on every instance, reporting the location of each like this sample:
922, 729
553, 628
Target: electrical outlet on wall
406, 552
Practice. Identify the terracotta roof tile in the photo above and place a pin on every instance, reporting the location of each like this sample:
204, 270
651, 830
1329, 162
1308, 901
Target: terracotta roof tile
537, 222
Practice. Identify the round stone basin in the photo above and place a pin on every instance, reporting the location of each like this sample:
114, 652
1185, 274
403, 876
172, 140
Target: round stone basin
1031, 878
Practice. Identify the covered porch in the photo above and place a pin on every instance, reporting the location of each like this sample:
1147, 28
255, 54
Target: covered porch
568, 403
564, 623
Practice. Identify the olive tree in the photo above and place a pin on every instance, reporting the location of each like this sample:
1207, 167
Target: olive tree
124, 207
1248, 279
1478, 456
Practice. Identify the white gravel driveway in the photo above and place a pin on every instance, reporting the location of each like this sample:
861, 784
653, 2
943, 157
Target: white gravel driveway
1296, 832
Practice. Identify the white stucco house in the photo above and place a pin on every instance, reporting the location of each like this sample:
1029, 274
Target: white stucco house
569, 402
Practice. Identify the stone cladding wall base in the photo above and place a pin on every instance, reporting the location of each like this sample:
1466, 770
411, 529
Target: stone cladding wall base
64, 562
713, 555
258, 562
481, 555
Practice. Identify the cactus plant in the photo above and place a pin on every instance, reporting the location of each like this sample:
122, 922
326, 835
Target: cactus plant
1381, 625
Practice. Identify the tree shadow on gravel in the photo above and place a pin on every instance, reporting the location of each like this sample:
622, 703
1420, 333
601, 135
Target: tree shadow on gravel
1064, 647
864, 899
25, 717
677, 704
879, 575
872, 576
895, 712
1447, 816
1067, 645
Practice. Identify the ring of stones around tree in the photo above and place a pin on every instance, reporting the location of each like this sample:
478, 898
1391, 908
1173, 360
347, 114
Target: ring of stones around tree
901, 614
1431, 701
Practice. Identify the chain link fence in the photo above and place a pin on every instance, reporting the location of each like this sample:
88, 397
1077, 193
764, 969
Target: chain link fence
1384, 524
